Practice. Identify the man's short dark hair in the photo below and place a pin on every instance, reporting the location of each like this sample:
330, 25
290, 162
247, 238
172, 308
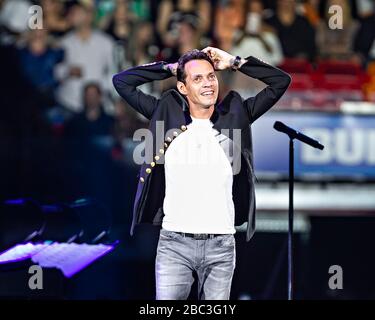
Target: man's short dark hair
188, 56
87, 87
94, 85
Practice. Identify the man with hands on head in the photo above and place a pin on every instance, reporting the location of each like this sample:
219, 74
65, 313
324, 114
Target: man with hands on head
192, 187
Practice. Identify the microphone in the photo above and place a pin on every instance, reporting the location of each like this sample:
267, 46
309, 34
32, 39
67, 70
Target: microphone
293, 134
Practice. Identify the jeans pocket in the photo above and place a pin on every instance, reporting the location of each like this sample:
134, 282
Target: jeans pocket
226, 240
168, 235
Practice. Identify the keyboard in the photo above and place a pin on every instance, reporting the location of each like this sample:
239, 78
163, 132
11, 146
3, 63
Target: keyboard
70, 258
21, 252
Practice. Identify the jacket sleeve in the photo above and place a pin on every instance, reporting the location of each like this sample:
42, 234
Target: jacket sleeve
277, 82
126, 83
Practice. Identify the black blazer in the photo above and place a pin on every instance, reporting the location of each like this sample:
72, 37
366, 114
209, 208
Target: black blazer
233, 112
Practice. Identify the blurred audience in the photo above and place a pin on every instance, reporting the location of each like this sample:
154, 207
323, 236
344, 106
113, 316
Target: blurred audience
38, 59
92, 121
258, 38
21, 115
365, 8
54, 17
310, 10
88, 57
119, 28
14, 15
337, 44
97, 38
187, 38
229, 17
142, 48
364, 42
171, 13
296, 34
126, 121
140, 9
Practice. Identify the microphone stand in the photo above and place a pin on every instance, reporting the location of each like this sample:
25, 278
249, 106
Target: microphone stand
290, 218
293, 134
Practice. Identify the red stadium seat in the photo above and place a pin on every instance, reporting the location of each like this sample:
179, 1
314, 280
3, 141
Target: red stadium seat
341, 76
301, 82
325, 87
339, 67
300, 70
296, 66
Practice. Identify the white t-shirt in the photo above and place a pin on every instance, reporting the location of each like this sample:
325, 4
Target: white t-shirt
257, 49
94, 56
198, 178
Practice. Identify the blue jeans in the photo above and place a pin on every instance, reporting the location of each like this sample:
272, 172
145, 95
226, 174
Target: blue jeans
178, 257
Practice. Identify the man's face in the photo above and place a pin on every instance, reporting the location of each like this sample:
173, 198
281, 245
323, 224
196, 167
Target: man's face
201, 85
80, 16
287, 5
38, 35
92, 98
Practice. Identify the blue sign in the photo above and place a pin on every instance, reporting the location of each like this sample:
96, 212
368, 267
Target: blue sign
349, 144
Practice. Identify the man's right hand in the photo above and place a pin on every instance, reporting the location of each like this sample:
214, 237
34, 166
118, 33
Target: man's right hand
75, 72
173, 68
